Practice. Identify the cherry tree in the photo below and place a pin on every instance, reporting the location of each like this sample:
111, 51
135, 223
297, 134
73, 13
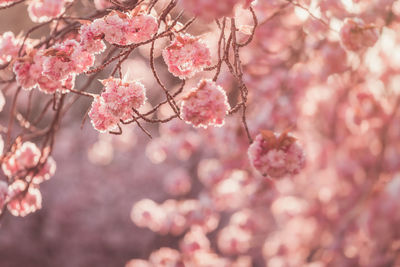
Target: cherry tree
287, 110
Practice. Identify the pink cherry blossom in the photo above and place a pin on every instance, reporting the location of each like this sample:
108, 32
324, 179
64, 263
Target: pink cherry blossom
101, 117
355, 34
91, 36
58, 64
23, 202
141, 28
276, 155
122, 96
186, 56
126, 29
29, 74
25, 158
205, 105
116, 103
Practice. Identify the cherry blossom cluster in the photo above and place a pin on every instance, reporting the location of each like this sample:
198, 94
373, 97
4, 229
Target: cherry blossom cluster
276, 155
186, 56
120, 28
356, 35
205, 105
23, 196
116, 103
326, 70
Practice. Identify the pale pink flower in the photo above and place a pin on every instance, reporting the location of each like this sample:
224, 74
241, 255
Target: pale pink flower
116, 103
22, 203
115, 27
276, 155
26, 73
27, 155
91, 36
82, 59
207, 104
10, 166
101, 117
186, 56
356, 35
58, 64
121, 96
141, 28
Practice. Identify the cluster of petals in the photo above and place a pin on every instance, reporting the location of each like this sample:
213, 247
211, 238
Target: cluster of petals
116, 103
119, 28
207, 104
91, 37
24, 160
29, 74
186, 56
356, 35
44, 10
9, 47
65, 60
276, 155
57, 64
21, 201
